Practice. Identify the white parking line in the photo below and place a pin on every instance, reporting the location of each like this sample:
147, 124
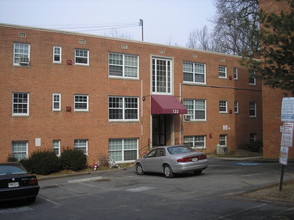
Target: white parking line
240, 211
48, 200
140, 189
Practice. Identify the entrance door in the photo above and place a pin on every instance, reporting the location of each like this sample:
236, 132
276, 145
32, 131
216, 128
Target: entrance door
159, 130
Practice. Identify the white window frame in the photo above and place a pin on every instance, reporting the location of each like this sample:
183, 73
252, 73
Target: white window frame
21, 55
155, 87
252, 107
193, 115
27, 113
194, 72
192, 140
124, 149
81, 144
56, 147
123, 66
222, 72
76, 109
56, 102
223, 138
57, 54
22, 152
236, 73
123, 108
251, 78
82, 57
236, 107
221, 105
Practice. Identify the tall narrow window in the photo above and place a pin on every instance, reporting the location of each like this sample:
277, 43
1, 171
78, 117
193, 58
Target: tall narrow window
252, 109
123, 65
81, 103
81, 57
252, 79
56, 147
56, 102
223, 140
161, 76
21, 54
236, 107
222, 72
236, 73
194, 72
57, 54
20, 104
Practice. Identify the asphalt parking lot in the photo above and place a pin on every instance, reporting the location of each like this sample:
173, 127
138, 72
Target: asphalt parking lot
121, 194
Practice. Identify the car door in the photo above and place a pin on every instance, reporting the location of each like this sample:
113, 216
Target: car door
159, 160
148, 161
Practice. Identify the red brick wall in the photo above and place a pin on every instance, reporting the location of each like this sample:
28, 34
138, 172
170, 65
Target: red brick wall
43, 78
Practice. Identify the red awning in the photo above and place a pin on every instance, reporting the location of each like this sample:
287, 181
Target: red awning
166, 104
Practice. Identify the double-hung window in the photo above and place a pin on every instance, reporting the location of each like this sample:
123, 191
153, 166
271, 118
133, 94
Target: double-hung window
20, 104
223, 140
56, 102
21, 54
81, 103
252, 109
236, 73
236, 107
56, 147
57, 54
223, 106
252, 79
20, 149
194, 72
198, 142
252, 137
81, 57
222, 72
123, 108
122, 150
161, 76
196, 108
123, 65
81, 144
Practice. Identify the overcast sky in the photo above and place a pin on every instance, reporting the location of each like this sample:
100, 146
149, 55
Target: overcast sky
165, 21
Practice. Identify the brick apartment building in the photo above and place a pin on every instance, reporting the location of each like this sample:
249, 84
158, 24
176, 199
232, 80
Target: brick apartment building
103, 95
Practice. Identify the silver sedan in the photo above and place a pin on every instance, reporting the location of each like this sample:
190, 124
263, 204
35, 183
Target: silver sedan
171, 160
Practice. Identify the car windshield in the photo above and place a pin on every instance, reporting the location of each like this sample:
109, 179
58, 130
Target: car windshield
179, 150
11, 169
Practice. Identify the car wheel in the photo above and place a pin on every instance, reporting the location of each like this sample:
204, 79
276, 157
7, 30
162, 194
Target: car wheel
197, 172
168, 173
139, 169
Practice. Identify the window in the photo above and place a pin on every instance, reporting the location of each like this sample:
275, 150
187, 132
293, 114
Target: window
56, 147
81, 103
222, 72
195, 141
252, 79
161, 76
20, 149
122, 150
194, 72
196, 108
223, 140
81, 57
82, 145
57, 54
252, 109
122, 65
223, 106
123, 108
252, 137
236, 107
20, 104
56, 102
236, 73
21, 55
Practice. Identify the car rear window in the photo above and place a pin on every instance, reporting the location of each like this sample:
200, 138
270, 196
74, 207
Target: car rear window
179, 150
10, 169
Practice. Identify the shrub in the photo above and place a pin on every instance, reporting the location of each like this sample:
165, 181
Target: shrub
44, 162
11, 158
256, 146
27, 164
72, 159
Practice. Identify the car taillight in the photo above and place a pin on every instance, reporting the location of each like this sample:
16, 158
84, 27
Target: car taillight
189, 159
33, 181
202, 157
183, 160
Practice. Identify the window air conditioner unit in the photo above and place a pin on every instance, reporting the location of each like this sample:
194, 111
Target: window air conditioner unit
187, 117
24, 61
